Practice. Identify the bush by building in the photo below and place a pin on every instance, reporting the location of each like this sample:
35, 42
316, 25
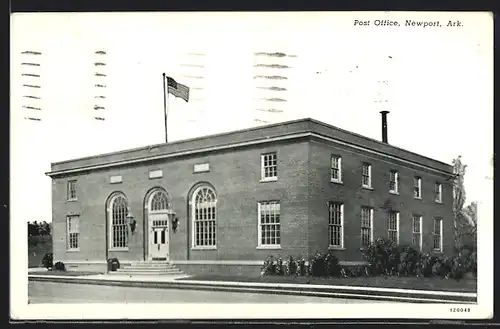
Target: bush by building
383, 258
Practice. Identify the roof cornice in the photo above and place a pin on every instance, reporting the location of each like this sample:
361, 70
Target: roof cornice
149, 158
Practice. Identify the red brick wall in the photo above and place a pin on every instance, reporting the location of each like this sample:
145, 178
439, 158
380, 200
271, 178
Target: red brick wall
235, 176
353, 196
303, 187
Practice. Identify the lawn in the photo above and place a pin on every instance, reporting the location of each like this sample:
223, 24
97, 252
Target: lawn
433, 283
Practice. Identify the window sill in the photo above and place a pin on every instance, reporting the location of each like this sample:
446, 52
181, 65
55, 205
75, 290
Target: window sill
71, 200
269, 247
437, 251
367, 187
204, 248
417, 198
336, 248
271, 179
118, 249
73, 250
336, 181
438, 202
393, 192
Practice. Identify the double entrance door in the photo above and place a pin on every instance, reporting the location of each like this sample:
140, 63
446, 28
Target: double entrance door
158, 237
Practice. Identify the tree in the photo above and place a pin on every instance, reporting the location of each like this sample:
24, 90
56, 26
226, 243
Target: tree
464, 219
44, 229
469, 232
33, 229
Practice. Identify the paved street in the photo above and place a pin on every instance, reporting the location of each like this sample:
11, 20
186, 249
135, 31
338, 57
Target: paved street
50, 292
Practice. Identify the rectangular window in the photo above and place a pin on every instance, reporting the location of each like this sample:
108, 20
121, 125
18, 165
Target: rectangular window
71, 190
336, 225
269, 224
417, 187
393, 226
438, 191
366, 226
394, 181
73, 232
269, 166
367, 175
438, 234
417, 232
336, 168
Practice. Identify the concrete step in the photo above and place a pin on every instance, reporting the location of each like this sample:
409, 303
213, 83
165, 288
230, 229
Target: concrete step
147, 268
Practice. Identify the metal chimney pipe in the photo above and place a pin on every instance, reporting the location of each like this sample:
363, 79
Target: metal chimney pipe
384, 126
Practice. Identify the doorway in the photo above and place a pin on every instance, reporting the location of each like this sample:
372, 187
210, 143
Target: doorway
158, 209
158, 237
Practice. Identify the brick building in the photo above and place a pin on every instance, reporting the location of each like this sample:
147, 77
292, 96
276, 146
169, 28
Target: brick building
225, 202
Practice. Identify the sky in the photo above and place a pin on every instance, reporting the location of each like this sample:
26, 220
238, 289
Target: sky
439, 87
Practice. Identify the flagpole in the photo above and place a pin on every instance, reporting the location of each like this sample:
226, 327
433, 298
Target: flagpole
165, 98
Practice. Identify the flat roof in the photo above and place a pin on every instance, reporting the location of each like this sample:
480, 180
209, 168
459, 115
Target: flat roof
257, 135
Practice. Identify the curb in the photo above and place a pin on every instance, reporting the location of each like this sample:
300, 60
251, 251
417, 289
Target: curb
311, 290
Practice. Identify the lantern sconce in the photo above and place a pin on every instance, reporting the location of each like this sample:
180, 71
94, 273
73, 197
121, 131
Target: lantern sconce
175, 223
131, 222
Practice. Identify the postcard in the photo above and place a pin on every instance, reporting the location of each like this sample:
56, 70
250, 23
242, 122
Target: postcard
237, 165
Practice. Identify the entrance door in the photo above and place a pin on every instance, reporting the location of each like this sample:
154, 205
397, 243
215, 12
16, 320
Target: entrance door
158, 237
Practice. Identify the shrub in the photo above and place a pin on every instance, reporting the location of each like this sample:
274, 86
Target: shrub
48, 260
324, 265
472, 263
111, 264
291, 266
318, 266
442, 266
408, 261
332, 266
425, 265
59, 266
279, 268
353, 271
458, 267
383, 257
302, 267
269, 267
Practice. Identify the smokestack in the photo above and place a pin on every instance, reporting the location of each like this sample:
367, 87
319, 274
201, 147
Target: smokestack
384, 126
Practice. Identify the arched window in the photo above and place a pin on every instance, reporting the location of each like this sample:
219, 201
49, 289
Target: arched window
117, 212
159, 201
204, 215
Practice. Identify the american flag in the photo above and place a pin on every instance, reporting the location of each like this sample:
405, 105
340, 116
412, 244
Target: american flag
178, 89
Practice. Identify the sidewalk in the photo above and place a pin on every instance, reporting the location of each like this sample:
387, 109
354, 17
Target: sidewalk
349, 292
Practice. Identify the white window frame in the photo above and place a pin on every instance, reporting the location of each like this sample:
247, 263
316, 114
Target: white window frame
396, 182
420, 218
263, 177
440, 249
110, 223
371, 225
260, 245
365, 164
194, 220
438, 191
397, 225
71, 187
339, 168
70, 218
341, 245
418, 179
